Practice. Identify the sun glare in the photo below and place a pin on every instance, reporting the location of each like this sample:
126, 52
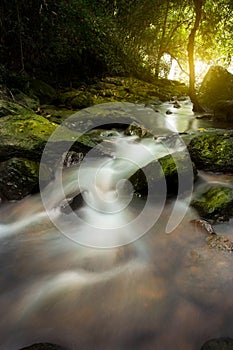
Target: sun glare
201, 69
176, 73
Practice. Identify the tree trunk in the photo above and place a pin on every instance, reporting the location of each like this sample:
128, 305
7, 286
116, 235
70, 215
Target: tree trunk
190, 49
162, 39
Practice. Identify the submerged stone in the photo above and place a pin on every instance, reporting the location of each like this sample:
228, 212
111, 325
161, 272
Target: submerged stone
24, 136
166, 168
18, 178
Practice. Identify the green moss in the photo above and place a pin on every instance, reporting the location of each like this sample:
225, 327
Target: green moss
169, 168
213, 150
215, 203
29, 125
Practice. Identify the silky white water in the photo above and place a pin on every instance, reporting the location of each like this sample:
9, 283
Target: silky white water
161, 291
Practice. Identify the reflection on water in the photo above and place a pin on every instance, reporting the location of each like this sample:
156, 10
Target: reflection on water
164, 291
184, 119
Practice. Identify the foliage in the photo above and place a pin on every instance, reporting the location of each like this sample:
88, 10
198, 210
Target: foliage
67, 40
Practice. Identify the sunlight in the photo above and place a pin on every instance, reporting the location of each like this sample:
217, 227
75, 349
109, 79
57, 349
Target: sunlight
176, 73
201, 69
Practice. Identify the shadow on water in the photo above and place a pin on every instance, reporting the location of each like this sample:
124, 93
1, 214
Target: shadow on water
163, 291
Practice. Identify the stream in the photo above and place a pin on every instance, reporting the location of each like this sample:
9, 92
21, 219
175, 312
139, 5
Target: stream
110, 274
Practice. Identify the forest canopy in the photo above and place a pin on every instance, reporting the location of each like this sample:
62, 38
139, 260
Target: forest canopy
64, 40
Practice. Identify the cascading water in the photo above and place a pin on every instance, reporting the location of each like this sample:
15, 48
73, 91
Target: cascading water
58, 285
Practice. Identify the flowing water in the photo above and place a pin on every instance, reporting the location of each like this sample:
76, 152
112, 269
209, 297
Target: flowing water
97, 278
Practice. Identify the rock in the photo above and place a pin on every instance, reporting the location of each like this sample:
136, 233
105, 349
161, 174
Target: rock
214, 203
46, 93
176, 105
137, 130
223, 110
43, 346
18, 178
24, 136
212, 150
204, 225
71, 158
155, 174
217, 85
107, 116
218, 344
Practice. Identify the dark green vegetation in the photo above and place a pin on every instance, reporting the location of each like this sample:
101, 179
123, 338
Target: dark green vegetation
67, 41
215, 203
60, 56
212, 150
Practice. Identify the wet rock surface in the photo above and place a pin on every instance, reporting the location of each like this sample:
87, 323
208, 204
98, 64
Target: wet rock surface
212, 150
220, 242
120, 89
214, 203
217, 86
18, 178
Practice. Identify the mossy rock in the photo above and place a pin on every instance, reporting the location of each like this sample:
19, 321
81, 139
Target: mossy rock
166, 167
217, 85
24, 136
223, 110
105, 116
215, 203
77, 99
212, 150
45, 93
18, 178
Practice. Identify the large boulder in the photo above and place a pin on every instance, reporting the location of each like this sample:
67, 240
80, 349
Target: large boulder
18, 178
212, 150
217, 86
166, 168
122, 89
216, 93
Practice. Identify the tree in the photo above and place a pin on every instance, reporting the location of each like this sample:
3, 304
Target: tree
190, 48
